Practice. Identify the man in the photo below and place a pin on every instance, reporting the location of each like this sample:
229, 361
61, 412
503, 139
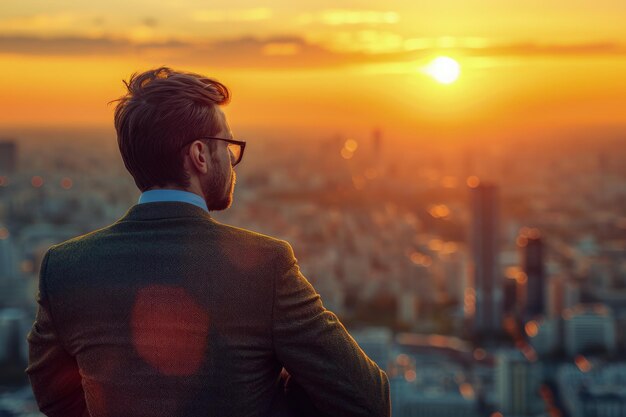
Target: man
167, 312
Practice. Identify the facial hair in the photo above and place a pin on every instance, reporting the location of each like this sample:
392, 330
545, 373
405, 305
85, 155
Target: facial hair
217, 194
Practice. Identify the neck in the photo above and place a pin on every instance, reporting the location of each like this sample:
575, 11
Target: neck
194, 187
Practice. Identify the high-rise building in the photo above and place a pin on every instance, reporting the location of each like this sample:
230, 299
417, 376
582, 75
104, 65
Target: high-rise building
8, 157
592, 388
10, 286
510, 295
8, 260
484, 241
556, 297
455, 273
589, 328
533, 255
517, 384
562, 293
13, 347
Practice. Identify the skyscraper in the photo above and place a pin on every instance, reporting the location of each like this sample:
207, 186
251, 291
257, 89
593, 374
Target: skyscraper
534, 269
10, 284
484, 241
8, 157
510, 295
517, 384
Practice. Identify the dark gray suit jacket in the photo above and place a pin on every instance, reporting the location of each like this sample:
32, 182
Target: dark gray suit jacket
167, 312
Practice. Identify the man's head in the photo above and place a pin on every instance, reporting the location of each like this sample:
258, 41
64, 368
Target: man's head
160, 123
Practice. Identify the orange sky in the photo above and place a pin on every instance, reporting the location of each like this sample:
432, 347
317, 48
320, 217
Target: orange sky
313, 66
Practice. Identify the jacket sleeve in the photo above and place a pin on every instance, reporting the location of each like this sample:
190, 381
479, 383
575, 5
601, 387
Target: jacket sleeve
53, 372
317, 351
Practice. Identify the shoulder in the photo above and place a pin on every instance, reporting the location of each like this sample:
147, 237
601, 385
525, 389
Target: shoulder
74, 246
60, 260
257, 242
233, 242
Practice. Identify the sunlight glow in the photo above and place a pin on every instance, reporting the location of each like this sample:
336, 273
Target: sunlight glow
444, 69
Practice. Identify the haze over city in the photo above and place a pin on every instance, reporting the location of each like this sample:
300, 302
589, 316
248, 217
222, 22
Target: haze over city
450, 175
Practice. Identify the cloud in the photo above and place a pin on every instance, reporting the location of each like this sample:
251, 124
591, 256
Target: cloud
40, 22
273, 52
365, 40
281, 48
281, 51
77, 25
75, 45
537, 49
234, 15
337, 17
32, 45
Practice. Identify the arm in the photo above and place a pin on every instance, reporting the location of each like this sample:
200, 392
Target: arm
318, 352
53, 372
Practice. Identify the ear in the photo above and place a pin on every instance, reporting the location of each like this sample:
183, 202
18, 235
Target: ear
198, 157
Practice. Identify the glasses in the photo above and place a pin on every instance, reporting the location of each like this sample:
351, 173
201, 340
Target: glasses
235, 147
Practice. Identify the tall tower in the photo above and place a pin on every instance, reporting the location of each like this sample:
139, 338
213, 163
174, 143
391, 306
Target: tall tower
517, 384
533, 252
485, 248
8, 157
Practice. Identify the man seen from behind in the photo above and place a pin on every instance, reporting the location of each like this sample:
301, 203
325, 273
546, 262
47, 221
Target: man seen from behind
167, 312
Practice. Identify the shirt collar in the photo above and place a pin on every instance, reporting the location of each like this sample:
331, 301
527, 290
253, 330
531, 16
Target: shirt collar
152, 196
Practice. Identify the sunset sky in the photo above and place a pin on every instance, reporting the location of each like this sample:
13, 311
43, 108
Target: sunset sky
325, 66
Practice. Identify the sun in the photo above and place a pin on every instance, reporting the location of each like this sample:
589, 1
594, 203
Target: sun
443, 69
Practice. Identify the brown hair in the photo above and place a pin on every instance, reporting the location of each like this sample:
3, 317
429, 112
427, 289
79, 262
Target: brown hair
162, 111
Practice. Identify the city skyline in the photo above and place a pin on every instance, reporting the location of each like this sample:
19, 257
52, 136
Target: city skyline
385, 235
450, 175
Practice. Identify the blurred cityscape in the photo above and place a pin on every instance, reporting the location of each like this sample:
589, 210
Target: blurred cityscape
485, 280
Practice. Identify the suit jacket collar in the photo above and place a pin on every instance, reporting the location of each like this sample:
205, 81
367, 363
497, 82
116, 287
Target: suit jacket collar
164, 210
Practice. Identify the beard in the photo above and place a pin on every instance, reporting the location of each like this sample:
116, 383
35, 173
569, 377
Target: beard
218, 194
